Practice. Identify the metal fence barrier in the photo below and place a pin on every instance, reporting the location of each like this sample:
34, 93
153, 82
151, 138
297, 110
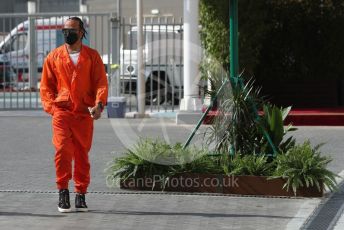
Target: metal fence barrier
27, 39
25, 42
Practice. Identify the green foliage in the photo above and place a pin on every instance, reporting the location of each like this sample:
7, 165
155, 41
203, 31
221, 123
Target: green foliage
243, 128
273, 122
159, 152
214, 18
154, 157
213, 164
235, 126
285, 39
132, 166
249, 164
214, 32
303, 33
303, 166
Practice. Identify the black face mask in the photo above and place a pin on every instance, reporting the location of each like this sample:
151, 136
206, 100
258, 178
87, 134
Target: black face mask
70, 38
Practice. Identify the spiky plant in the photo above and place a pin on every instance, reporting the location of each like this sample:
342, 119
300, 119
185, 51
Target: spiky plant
303, 166
235, 127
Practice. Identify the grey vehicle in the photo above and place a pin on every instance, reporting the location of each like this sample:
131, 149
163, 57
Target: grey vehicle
7, 76
163, 63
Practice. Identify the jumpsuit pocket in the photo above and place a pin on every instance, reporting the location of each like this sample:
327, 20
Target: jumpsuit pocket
63, 99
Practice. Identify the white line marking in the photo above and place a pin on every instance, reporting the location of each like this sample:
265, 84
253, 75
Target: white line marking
308, 207
304, 212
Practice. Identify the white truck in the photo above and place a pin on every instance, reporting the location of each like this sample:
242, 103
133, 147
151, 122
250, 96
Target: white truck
163, 62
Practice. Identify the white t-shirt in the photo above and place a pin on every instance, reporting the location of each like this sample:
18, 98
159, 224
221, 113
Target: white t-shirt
74, 57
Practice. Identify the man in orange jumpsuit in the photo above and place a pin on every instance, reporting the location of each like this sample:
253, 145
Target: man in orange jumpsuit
73, 90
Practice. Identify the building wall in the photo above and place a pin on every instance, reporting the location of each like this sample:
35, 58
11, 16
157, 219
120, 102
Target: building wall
59, 6
13, 6
20, 6
170, 8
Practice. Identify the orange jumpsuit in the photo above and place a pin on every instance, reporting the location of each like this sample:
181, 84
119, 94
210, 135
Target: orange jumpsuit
67, 90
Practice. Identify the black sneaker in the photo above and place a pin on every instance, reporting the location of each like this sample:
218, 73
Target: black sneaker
64, 204
80, 203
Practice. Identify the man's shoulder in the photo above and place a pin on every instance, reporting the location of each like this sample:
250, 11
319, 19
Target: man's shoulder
89, 50
56, 52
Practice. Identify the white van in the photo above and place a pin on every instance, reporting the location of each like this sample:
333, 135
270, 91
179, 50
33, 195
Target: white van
15, 47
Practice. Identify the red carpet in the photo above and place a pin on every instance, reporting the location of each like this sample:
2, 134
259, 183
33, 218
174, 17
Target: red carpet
316, 117
306, 117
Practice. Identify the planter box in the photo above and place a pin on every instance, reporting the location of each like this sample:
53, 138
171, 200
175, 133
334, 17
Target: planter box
210, 183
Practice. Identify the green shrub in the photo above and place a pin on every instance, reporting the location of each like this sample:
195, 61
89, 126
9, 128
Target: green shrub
154, 157
215, 34
303, 166
256, 165
300, 166
278, 39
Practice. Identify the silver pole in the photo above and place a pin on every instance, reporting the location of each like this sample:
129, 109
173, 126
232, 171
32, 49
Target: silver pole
118, 45
31, 5
112, 71
38, 7
108, 52
115, 81
140, 70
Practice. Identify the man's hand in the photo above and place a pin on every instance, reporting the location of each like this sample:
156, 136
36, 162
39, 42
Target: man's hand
95, 112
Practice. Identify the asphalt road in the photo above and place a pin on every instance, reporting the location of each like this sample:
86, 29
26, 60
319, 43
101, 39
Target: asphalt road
28, 194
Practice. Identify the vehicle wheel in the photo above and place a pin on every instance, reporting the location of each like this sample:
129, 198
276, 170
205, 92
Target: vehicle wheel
176, 101
155, 95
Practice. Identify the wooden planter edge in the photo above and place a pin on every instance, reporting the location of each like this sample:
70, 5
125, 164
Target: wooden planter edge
223, 184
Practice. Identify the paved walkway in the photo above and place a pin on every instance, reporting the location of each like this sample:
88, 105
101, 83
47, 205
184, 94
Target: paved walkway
28, 196
147, 211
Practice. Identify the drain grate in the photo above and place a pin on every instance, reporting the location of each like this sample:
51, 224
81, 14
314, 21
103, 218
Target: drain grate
151, 193
327, 213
